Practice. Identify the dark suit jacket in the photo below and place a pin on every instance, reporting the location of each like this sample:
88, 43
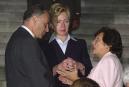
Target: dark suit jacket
25, 63
75, 49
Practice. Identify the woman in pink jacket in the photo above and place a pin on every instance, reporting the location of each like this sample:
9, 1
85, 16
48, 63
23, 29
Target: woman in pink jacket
107, 47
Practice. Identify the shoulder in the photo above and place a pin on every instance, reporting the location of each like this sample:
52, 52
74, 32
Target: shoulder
82, 42
20, 33
111, 61
78, 40
108, 60
22, 38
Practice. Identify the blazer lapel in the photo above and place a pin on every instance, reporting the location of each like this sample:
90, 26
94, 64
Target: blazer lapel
70, 46
58, 51
72, 49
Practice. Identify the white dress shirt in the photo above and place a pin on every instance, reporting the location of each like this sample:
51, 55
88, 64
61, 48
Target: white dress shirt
63, 45
108, 72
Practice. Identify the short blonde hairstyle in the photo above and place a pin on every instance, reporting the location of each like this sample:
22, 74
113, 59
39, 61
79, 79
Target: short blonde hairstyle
55, 10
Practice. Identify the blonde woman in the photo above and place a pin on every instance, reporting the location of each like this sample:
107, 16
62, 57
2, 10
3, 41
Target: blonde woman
64, 46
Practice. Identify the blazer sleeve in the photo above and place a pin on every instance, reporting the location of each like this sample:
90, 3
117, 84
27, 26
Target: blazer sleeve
85, 57
33, 64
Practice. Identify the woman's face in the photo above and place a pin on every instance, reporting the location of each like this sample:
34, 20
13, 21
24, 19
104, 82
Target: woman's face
62, 24
99, 47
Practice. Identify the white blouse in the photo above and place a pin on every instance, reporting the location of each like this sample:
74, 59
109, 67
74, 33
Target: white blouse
108, 72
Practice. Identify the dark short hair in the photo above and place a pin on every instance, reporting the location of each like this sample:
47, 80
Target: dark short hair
85, 82
112, 38
36, 9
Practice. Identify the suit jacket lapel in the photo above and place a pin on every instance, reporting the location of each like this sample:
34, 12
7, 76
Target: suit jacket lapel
43, 59
59, 53
70, 46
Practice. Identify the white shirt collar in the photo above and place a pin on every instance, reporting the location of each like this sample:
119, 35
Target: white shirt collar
31, 33
61, 42
63, 45
53, 36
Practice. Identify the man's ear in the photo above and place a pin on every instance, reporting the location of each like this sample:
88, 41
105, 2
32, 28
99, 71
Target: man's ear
34, 18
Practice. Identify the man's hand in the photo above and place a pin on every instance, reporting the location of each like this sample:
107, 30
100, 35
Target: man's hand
68, 74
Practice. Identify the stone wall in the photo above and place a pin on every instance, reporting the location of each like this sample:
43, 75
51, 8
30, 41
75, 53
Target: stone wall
11, 12
99, 13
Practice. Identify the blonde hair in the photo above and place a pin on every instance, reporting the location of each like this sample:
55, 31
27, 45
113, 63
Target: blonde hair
55, 10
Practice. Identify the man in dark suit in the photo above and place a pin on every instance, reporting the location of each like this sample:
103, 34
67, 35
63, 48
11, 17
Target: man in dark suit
25, 63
